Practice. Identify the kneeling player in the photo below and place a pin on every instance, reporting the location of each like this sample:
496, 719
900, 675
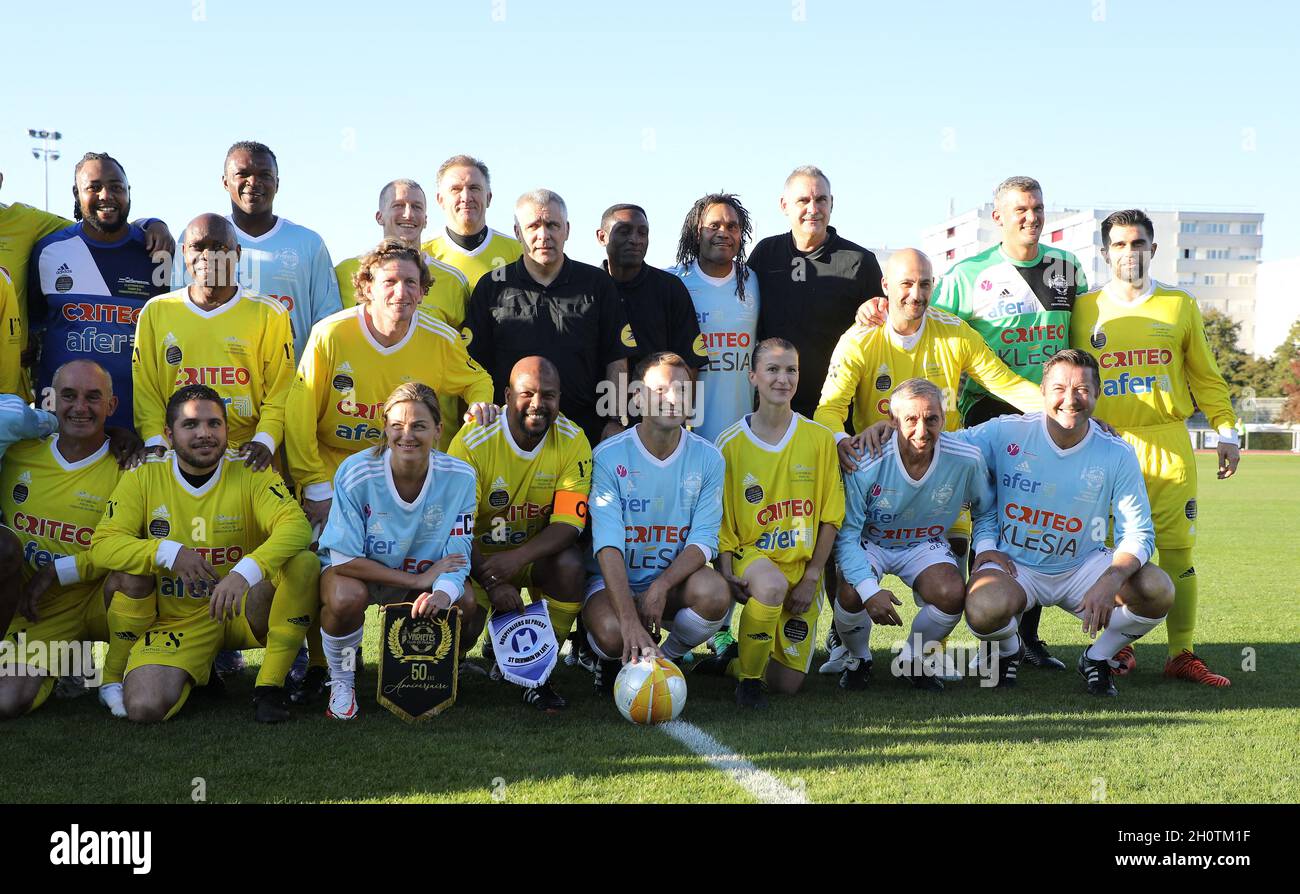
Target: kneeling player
533, 467
210, 555
53, 490
656, 503
898, 508
782, 503
1059, 477
399, 529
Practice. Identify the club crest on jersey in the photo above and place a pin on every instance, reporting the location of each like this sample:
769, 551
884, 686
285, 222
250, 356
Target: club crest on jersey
22, 487
943, 495
1190, 509
287, 257
1013, 449
342, 383
1059, 284
692, 483
433, 516
172, 353
63, 279
753, 490
160, 522
1097, 339
883, 381
499, 496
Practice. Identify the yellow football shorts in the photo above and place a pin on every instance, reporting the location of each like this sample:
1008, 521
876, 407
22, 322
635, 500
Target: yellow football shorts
191, 642
1168, 465
523, 580
796, 635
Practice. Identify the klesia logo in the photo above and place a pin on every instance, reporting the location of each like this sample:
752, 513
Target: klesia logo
1013, 449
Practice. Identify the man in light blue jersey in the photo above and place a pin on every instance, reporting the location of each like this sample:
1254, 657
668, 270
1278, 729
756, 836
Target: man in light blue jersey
1059, 478
401, 527
711, 262
899, 507
656, 507
279, 258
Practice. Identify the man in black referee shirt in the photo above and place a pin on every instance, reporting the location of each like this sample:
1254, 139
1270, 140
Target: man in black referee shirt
812, 281
657, 304
550, 305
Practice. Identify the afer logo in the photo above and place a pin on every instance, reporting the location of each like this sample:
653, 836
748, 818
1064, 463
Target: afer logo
91, 848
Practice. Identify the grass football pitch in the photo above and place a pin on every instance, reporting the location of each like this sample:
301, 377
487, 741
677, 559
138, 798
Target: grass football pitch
1046, 741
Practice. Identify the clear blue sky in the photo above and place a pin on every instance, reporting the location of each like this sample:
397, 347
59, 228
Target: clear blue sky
906, 105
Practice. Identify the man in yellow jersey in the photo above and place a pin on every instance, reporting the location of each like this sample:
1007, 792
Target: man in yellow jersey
533, 469
782, 503
52, 494
250, 363
356, 357
1150, 342
464, 193
21, 227
226, 548
403, 213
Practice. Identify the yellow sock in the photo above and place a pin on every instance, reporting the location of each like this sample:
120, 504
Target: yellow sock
756, 637
1181, 622
315, 648
128, 619
295, 610
562, 614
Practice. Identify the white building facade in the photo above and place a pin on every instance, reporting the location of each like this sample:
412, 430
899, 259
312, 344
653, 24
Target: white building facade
1214, 255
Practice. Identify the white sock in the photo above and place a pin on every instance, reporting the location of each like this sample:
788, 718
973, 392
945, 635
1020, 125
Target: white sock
929, 627
337, 651
688, 631
1124, 628
725, 623
595, 647
854, 629
1007, 639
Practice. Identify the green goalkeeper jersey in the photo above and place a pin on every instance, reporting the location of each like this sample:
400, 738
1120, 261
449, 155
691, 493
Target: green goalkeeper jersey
1020, 308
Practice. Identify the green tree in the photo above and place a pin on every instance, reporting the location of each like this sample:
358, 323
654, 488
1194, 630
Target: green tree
1221, 331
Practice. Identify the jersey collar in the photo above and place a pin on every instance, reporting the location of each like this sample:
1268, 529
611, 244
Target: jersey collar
1068, 451
902, 469
907, 342
514, 445
763, 445
374, 343
208, 485
650, 457
79, 464
715, 281
392, 486
244, 237
216, 311
1141, 299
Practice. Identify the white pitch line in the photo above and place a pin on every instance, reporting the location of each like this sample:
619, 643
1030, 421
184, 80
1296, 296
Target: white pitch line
759, 783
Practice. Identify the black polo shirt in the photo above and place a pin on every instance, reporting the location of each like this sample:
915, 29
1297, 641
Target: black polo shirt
576, 322
659, 307
811, 299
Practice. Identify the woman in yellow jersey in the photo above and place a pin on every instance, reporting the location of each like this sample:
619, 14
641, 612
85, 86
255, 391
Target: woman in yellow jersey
782, 503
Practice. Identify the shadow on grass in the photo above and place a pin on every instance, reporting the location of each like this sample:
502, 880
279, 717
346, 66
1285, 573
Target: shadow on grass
72, 751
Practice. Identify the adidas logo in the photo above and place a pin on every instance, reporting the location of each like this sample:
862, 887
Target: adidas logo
25, 478
500, 482
750, 479
126, 635
161, 512
63, 268
377, 527
760, 637
884, 503
169, 339
345, 367
1190, 572
1023, 467
301, 620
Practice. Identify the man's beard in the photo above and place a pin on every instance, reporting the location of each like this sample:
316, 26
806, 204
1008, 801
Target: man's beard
92, 222
193, 460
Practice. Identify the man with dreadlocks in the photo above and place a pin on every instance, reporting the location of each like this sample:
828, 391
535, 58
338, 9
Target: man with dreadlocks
711, 262
657, 305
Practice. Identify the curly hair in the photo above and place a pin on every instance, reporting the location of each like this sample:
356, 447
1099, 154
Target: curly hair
389, 250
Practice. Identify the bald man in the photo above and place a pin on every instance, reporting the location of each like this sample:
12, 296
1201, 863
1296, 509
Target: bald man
215, 332
917, 341
53, 491
534, 471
